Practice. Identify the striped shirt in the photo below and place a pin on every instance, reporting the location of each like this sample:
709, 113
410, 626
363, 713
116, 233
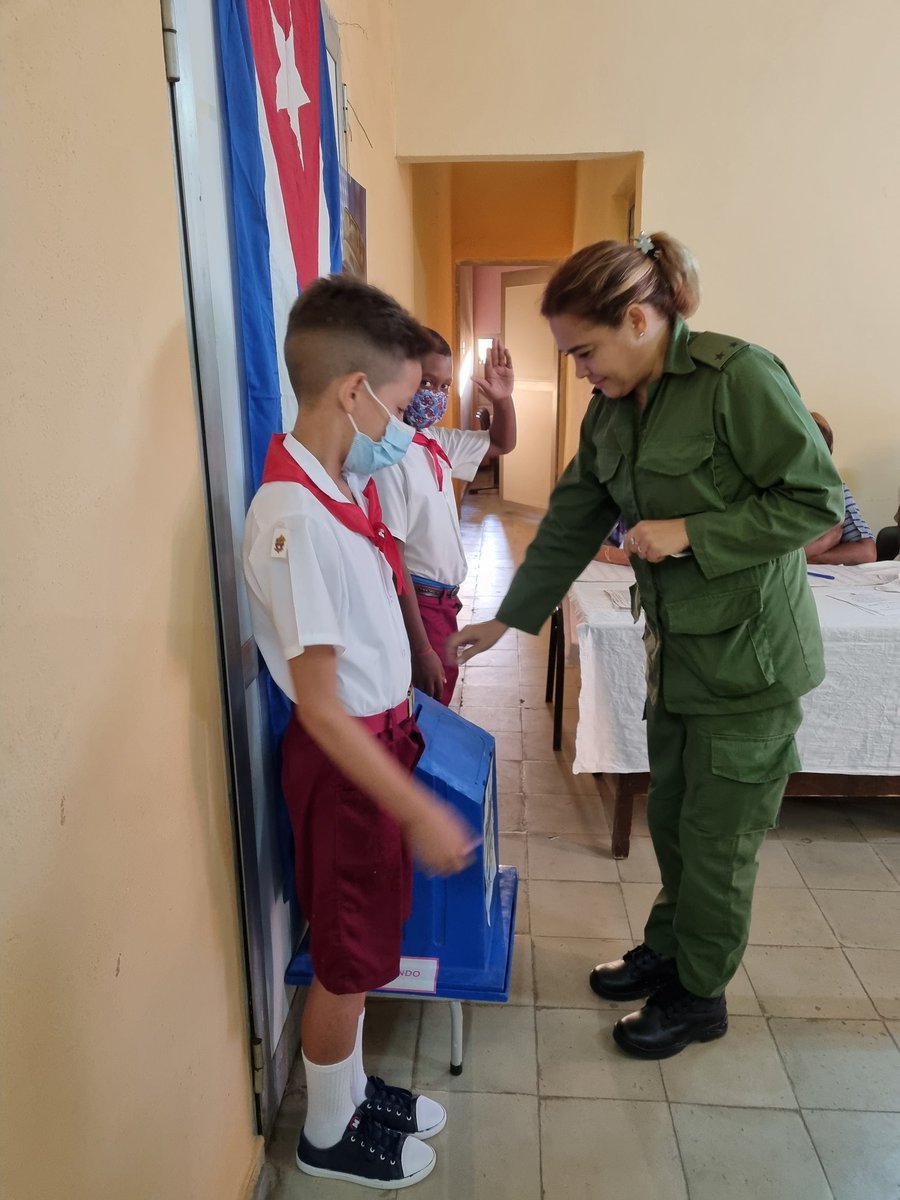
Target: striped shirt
855, 528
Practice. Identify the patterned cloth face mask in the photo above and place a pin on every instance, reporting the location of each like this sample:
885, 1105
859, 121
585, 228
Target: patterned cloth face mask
426, 408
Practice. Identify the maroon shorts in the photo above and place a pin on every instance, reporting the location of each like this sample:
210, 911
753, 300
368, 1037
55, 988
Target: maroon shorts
439, 615
353, 869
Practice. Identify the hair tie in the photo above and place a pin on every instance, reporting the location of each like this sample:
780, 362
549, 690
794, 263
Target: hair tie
645, 245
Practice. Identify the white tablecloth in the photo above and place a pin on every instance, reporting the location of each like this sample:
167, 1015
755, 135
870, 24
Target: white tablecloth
851, 723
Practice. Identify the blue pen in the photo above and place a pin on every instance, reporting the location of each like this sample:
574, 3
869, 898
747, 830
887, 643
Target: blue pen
819, 575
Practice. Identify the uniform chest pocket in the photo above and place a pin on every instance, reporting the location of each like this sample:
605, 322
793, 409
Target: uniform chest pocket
607, 462
676, 477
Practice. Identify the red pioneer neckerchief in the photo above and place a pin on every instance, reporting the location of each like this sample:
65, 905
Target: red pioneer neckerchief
281, 467
436, 451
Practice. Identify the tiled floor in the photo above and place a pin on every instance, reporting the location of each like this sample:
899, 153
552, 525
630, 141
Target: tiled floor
801, 1100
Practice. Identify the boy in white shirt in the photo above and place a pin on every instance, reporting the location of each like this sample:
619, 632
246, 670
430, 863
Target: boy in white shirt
419, 505
322, 573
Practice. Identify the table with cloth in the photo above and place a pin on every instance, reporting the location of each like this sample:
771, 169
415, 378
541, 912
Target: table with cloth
849, 742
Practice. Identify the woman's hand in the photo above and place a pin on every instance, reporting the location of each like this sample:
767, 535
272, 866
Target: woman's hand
656, 540
474, 639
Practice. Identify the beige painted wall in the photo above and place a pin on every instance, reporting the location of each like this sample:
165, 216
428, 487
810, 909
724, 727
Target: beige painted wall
367, 60
124, 1068
770, 148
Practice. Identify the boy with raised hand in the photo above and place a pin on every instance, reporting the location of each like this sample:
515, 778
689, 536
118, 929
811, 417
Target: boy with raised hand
323, 574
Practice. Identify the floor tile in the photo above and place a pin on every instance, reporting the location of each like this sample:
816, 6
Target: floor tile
512, 851
879, 973
538, 747
509, 776
748, 1154
561, 857
390, 1034
877, 820
776, 869
610, 1148
588, 910
578, 1057
478, 695
494, 720
498, 1050
741, 997
860, 1152
511, 812
580, 817
489, 1148
840, 1064
523, 910
491, 676
496, 659
509, 747
538, 722
556, 779
889, 853
863, 918
639, 899
561, 969
640, 866
841, 865
788, 917
741, 1069
521, 987
825, 820
806, 981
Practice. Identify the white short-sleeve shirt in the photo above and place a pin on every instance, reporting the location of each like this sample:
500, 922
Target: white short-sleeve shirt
422, 517
311, 582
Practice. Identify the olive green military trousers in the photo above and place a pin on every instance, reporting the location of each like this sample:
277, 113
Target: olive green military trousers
716, 786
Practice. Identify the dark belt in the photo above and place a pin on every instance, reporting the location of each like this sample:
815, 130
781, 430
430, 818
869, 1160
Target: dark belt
425, 589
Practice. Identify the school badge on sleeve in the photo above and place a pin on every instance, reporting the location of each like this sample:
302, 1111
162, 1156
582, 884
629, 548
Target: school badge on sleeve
279, 543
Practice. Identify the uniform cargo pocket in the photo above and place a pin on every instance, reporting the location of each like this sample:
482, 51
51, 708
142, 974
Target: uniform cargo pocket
675, 478
754, 760
721, 640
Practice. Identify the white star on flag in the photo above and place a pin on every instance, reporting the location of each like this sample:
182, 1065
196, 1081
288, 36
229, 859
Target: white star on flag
290, 94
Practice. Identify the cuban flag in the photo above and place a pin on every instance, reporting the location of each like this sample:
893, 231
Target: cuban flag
285, 186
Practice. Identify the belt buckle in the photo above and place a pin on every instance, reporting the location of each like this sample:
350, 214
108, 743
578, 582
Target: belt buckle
409, 704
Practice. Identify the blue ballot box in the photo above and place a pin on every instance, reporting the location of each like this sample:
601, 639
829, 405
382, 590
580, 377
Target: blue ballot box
458, 941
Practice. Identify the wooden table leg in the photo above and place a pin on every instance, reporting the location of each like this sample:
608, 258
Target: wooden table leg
623, 812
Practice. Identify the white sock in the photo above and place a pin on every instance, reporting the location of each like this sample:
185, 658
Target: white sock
360, 1079
329, 1101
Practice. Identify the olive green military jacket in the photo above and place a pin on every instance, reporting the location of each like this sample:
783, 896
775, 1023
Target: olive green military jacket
725, 442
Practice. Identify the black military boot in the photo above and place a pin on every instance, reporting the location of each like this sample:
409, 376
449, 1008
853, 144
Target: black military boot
639, 973
671, 1019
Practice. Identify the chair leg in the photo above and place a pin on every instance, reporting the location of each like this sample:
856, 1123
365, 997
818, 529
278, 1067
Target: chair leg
456, 1037
559, 697
551, 657
623, 813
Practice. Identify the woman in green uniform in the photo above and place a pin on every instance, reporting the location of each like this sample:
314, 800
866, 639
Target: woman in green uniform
702, 443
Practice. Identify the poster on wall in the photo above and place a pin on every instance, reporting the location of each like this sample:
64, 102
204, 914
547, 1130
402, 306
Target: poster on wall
353, 226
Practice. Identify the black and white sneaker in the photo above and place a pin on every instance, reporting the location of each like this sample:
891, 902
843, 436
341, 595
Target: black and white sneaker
402, 1110
369, 1154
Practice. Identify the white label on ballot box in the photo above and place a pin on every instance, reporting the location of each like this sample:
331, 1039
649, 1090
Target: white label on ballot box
416, 975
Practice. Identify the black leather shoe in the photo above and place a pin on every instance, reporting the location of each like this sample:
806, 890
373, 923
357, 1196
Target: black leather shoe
671, 1019
633, 977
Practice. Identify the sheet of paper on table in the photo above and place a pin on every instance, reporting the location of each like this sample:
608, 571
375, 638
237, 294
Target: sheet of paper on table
597, 572
879, 603
867, 575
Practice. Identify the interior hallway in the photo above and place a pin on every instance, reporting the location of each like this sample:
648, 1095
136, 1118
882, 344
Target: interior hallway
800, 1100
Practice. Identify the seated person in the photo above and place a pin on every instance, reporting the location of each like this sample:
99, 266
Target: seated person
611, 551
851, 541
887, 544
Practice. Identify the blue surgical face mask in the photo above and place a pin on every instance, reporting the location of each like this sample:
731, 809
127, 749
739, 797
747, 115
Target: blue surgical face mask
426, 408
366, 456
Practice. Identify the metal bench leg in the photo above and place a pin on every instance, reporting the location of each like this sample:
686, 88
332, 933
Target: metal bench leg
559, 698
551, 657
456, 1037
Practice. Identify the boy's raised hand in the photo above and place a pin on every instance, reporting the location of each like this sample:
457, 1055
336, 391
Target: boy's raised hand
499, 378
